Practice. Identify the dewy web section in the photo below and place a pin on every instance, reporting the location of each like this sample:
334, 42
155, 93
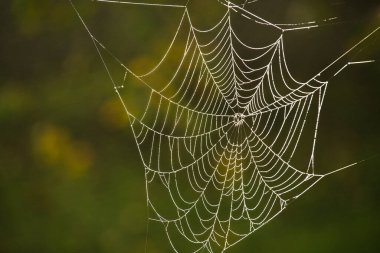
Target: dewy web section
218, 138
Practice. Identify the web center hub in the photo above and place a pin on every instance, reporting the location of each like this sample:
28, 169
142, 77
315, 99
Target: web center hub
238, 119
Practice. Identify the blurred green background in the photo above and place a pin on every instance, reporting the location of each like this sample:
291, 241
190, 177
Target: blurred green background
70, 176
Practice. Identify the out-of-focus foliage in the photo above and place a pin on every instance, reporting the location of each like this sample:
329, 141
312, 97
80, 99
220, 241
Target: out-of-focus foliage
70, 175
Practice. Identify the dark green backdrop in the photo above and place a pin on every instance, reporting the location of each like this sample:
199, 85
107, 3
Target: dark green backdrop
70, 177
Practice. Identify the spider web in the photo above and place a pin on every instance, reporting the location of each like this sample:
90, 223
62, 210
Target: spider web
220, 134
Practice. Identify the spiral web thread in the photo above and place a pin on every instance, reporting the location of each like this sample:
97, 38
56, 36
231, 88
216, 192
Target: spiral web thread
218, 138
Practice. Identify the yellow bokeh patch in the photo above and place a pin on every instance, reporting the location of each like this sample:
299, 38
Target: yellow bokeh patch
54, 147
112, 114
